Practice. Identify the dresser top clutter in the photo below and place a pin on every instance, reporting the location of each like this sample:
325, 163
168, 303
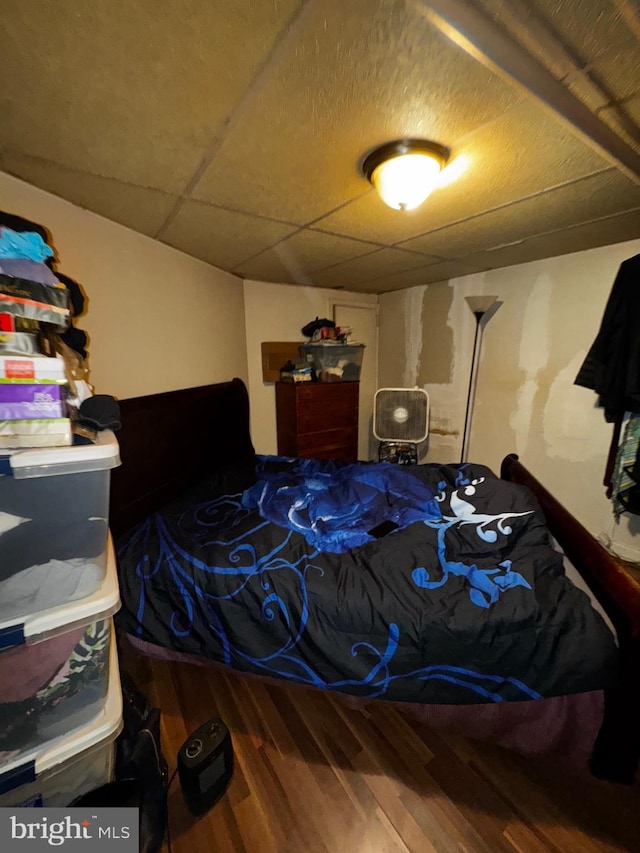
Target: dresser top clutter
61, 701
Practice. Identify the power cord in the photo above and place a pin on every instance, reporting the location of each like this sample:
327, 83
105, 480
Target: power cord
173, 776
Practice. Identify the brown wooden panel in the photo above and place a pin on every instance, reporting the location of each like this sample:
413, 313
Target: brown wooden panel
169, 440
617, 749
275, 354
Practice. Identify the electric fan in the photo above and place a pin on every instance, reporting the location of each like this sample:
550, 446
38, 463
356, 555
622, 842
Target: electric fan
400, 422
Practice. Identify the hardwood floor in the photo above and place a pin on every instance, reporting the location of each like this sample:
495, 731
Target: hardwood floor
313, 776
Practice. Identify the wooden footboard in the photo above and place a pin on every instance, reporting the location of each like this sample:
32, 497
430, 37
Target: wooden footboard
618, 746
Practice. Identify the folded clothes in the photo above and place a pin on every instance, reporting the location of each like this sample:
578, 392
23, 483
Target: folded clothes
28, 270
38, 426
10, 323
28, 679
24, 442
45, 432
27, 245
20, 224
34, 300
48, 585
32, 392
46, 683
27, 402
35, 369
20, 343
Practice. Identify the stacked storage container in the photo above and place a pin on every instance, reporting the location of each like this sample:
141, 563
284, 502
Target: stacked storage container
60, 700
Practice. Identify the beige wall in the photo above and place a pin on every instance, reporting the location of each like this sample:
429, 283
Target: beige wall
157, 319
277, 312
532, 349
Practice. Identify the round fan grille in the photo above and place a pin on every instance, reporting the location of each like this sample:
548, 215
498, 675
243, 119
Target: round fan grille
401, 414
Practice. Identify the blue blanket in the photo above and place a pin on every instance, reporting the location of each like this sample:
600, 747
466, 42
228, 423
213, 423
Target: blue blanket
336, 507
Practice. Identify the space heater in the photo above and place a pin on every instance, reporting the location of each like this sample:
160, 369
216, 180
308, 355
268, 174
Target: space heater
400, 423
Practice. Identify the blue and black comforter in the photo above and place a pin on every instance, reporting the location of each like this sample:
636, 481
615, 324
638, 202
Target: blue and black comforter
428, 584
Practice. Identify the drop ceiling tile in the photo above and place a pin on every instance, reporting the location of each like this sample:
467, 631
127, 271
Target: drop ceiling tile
318, 250
590, 198
297, 257
430, 274
133, 91
523, 152
364, 72
604, 232
369, 267
220, 237
142, 209
271, 265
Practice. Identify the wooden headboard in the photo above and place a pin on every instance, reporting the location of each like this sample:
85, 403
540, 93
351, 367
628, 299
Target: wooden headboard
169, 440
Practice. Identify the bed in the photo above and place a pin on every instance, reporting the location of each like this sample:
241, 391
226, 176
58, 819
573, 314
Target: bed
442, 589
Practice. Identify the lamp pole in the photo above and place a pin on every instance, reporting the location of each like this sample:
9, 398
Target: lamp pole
467, 415
479, 306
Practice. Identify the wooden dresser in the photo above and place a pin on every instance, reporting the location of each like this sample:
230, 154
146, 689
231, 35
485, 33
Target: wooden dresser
318, 420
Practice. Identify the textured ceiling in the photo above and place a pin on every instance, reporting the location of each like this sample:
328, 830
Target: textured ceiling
233, 129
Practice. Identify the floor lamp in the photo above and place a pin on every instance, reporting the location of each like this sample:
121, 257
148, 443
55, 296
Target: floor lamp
479, 306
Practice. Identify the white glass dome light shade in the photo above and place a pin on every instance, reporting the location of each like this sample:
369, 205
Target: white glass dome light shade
406, 171
404, 182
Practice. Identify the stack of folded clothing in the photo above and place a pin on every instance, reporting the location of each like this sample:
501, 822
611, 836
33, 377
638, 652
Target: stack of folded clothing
33, 407
29, 290
33, 303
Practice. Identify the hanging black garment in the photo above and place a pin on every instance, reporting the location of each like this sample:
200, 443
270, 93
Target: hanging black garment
612, 365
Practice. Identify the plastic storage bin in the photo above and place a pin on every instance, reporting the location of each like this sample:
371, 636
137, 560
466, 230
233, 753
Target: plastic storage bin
335, 362
54, 668
56, 773
54, 507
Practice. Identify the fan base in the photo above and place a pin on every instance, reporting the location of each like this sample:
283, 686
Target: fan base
398, 452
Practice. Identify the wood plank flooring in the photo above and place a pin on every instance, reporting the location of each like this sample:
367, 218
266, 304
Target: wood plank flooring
313, 776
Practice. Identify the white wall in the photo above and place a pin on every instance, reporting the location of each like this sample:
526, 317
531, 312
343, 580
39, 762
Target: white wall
277, 312
532, 349
157, 319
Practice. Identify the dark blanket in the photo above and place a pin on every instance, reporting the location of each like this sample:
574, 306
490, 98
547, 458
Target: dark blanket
463, 601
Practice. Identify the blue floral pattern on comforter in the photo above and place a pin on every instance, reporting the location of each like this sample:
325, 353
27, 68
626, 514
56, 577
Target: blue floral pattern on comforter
464, 601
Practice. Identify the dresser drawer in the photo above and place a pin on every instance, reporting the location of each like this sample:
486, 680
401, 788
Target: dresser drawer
327, 392
345, 453
315, 419
327, 439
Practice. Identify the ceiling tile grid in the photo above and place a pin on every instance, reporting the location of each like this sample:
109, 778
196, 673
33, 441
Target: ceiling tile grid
222, 237
234, 130
132, 91
584, 200
364, 72
141, 208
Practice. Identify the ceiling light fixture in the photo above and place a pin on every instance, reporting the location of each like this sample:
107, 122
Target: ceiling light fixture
404, 172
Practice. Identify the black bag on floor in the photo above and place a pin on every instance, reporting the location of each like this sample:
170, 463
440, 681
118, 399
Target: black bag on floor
141, 769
